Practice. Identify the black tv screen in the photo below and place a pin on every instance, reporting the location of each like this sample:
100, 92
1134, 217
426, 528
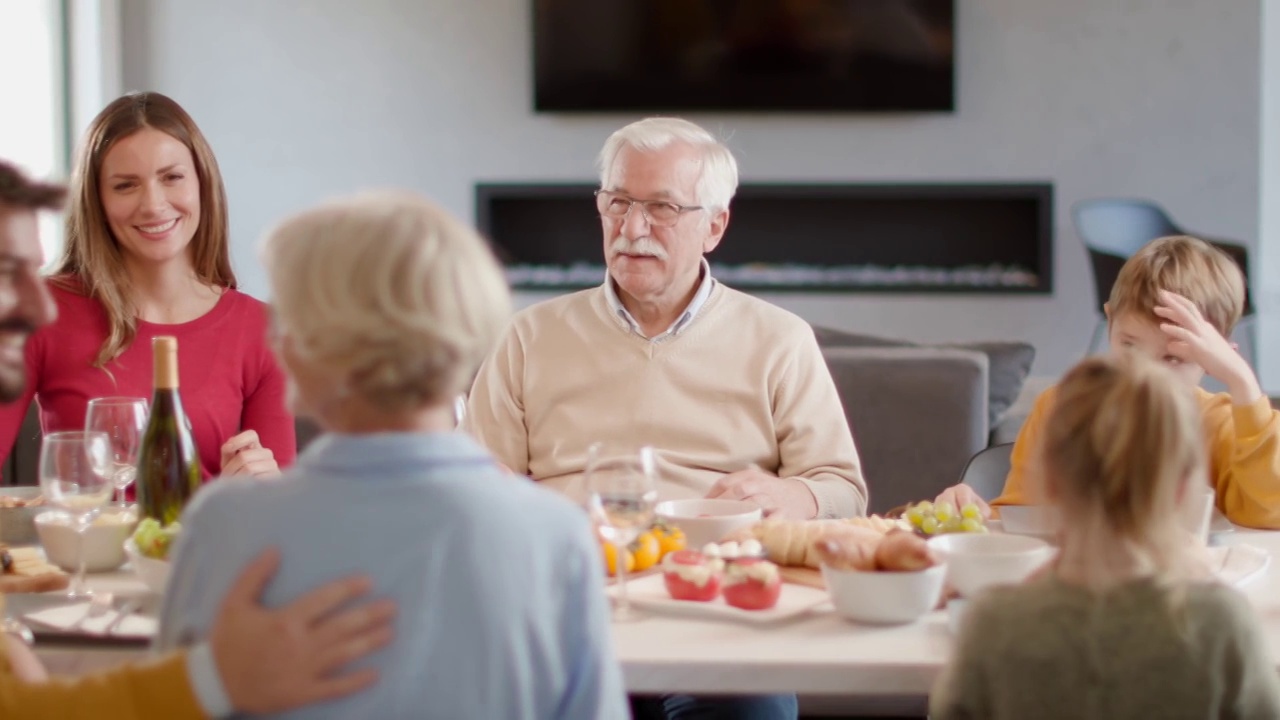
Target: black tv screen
750, 55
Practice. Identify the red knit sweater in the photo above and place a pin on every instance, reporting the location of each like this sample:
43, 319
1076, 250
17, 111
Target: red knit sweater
228, 376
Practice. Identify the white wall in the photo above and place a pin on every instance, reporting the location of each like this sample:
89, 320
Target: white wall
302, 100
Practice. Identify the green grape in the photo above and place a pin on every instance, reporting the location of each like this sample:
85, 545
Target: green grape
971, 512
914, 516
924, 507
971, 525
929, 525
953, 524
943, 511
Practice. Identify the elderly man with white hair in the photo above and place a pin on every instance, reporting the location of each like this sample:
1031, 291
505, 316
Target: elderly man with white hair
732, 391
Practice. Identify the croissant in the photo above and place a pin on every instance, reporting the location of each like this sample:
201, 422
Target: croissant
844, 552
903, 551
791, 542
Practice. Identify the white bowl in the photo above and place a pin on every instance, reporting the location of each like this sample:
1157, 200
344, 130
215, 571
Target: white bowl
152, 572
976, 561
885, 597
705, 521
956, 609
103, 540
1196, 510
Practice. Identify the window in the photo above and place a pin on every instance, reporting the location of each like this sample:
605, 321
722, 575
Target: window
33, 83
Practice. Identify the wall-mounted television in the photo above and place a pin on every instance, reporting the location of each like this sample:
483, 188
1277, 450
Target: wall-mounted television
744, 55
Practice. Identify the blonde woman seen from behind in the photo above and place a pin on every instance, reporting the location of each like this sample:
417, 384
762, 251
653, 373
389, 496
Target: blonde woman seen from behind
1126, 622
385, 305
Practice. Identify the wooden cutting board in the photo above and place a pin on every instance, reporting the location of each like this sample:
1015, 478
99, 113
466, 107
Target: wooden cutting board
802, 576
30, 573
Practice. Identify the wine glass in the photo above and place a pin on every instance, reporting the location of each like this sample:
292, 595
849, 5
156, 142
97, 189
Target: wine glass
75, 476
123, 419
621, 501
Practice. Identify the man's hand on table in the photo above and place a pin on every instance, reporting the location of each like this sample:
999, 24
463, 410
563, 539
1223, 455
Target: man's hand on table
778, 497
275, 660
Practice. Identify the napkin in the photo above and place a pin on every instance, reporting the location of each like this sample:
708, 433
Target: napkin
1238, 564
72, 618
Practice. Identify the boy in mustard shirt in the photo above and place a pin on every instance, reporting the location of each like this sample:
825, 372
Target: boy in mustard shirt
1177, 300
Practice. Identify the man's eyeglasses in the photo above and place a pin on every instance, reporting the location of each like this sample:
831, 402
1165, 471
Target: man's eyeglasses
659, 213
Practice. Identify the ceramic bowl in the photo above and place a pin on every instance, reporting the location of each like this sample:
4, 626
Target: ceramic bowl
976, 561
885, 597
152, 572
103, 540
704, 521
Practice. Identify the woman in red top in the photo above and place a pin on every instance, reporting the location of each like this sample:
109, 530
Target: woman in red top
147, 255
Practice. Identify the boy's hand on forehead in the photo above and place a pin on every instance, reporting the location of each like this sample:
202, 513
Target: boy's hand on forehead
1192, 339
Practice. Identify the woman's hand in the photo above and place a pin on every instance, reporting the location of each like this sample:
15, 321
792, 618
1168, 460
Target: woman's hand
243, 454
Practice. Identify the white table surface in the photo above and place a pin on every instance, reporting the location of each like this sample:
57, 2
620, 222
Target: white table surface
817, 654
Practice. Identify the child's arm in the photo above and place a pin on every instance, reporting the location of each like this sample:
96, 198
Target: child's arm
1243, 432
1245, 456
1022, 458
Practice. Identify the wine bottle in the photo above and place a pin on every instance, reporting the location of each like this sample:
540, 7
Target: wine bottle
168, 469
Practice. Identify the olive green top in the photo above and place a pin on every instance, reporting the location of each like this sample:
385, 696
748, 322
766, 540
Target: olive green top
1051, 650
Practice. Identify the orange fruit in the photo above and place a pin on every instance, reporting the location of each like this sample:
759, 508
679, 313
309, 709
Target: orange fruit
611, 559
646, 551
670, 539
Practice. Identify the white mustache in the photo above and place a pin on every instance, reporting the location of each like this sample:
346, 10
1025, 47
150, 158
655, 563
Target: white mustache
639, 246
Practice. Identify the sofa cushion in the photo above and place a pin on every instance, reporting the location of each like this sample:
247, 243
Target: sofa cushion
917, 415
1008, 363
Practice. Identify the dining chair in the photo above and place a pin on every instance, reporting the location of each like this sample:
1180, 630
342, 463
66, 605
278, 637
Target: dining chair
987, 471
1113, 229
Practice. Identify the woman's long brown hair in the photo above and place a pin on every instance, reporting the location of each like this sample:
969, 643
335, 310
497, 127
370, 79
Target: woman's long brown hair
92, 261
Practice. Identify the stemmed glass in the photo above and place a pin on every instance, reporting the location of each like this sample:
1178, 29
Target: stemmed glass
123, 419
75, 476
621, 500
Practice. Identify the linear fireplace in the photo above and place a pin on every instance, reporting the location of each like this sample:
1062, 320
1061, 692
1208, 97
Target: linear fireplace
902, 238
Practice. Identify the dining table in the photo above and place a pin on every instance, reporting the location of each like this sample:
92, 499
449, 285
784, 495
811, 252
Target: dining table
814, 653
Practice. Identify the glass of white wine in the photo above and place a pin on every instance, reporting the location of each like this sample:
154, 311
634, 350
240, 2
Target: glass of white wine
621, 500
75, 476
123, 419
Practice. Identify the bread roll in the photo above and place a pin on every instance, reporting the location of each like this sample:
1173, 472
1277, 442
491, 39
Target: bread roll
790, 542
903, 551
847, 552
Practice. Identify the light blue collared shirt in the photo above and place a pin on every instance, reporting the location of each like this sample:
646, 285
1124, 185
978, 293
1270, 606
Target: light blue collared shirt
498, 582
699, 299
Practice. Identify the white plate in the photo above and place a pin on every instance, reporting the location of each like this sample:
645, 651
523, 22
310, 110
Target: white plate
1037, 520
1042, 521
650, 592
1238, 564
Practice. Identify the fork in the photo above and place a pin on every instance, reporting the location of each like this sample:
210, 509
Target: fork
128, 608
99, 605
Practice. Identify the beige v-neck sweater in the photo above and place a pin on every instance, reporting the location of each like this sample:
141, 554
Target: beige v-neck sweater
743, 384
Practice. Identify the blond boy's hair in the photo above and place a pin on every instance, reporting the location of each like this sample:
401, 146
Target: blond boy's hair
1121, 443
1187, 266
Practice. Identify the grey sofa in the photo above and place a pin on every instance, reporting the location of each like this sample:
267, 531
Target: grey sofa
917, 414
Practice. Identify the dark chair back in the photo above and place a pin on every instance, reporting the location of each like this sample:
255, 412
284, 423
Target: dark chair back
1113, 229
988, 470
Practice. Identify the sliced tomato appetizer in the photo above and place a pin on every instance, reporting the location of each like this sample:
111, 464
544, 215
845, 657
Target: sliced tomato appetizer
752, 584
690, 575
